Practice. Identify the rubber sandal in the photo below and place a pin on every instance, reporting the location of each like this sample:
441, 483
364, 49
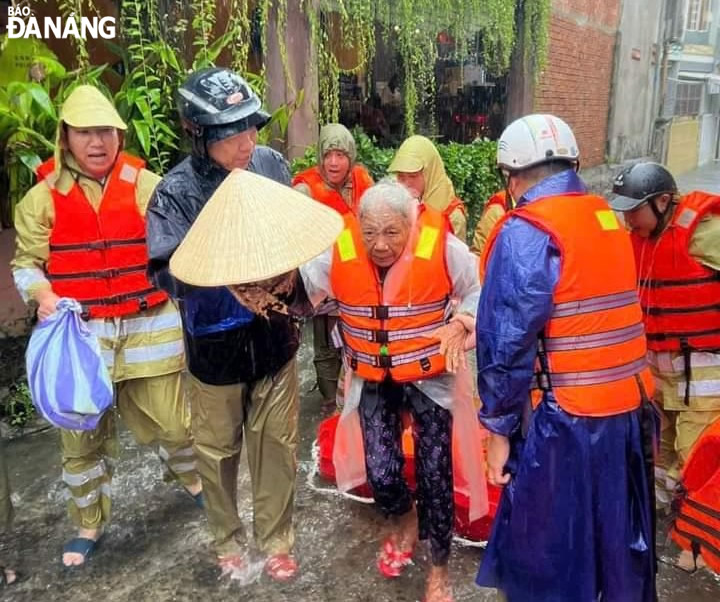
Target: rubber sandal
230, 565
281, 567
391, 561
198, 498
80, 545
3, 577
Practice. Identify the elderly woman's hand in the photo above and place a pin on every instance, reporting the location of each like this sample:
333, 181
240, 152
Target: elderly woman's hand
452, 344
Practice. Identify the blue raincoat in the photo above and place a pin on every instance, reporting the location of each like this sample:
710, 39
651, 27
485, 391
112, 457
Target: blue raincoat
575, 522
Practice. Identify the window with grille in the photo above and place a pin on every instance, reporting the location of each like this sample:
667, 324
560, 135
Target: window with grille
698, 13
687, 98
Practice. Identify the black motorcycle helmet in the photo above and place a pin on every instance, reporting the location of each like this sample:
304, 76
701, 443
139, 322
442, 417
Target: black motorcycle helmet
641, 183
217, 103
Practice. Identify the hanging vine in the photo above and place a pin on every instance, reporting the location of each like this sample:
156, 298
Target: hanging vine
73, 9
412, 27
536, 19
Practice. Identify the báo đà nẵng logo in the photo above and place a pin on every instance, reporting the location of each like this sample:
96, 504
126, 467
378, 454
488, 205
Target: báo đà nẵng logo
22, 23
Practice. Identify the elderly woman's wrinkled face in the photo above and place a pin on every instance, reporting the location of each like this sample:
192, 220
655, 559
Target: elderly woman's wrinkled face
385, 233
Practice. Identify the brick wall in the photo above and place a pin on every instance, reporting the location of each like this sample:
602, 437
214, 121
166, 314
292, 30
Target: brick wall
576, 82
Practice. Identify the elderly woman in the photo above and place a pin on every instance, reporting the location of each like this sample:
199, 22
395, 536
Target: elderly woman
418, 166
394, 271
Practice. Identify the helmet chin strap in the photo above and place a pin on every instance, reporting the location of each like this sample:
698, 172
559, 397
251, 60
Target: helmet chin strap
662, 217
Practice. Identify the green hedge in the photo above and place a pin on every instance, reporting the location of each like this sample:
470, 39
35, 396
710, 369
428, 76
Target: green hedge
471, 168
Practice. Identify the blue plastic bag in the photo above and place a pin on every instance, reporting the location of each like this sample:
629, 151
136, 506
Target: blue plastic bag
69, 383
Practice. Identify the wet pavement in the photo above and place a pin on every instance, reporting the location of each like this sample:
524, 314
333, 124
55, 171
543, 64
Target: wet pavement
705, 178
157, 547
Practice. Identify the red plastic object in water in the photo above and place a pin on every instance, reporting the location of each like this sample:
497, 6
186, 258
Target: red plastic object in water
478, 530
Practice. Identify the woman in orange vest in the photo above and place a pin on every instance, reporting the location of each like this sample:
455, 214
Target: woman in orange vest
338, 182
81, 234
418, 165
677, 252
393, 271
564, 382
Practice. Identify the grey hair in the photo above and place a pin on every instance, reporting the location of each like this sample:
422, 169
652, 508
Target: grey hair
391, 193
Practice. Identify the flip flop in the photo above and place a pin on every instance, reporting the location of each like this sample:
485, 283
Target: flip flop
3, 577
83, 546
391, 561
281, 567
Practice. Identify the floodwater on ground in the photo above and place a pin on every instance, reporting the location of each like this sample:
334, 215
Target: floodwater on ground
157, 547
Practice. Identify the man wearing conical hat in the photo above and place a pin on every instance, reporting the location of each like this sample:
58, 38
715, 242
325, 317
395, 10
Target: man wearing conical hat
243, 372
338, 182
81, 234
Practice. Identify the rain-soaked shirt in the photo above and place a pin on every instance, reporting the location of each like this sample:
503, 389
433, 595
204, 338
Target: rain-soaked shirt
524, 258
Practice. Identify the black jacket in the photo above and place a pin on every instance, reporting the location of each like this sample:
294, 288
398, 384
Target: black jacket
225, 343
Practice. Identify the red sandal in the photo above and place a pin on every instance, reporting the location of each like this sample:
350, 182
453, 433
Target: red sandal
391, 561
281, 567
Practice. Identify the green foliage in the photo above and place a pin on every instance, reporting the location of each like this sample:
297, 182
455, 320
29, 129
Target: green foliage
536, 19
411, 26
18, 408
471, 167
29, 116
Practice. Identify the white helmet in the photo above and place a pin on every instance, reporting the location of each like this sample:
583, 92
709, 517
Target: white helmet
536, 139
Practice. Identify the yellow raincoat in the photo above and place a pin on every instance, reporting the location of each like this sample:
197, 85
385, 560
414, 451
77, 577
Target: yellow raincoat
143, 351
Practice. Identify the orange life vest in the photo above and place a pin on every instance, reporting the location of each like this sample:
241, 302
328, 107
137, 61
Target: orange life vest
592, 350
500, 199
456, 203
382, 323
323, 193
100, 257
697, 526
680, 296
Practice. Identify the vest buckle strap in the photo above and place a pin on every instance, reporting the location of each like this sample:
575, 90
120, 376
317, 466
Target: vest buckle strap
384, 361
381, 312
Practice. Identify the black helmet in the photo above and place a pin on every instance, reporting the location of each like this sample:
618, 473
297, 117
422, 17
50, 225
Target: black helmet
217, 103
639, 183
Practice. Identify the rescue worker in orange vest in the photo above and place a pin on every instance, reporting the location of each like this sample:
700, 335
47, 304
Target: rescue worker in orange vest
564, 382
393, 271
81, 234
677, 252
338, 182
497, 206
418, 165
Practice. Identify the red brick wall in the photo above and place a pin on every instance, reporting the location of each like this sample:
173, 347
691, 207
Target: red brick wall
576, 82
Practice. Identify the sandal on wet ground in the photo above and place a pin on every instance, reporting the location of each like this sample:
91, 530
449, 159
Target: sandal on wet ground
4, 577
281, 567
80, 545
392, 561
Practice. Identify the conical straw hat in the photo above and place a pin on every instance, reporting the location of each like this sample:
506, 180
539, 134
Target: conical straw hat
251, 229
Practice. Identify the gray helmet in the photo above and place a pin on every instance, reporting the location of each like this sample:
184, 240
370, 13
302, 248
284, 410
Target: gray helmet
640, 183
217, 103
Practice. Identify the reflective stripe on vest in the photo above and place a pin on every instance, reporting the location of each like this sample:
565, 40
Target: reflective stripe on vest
592, 350
320, 191
679, 295
99, 257
383, 324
